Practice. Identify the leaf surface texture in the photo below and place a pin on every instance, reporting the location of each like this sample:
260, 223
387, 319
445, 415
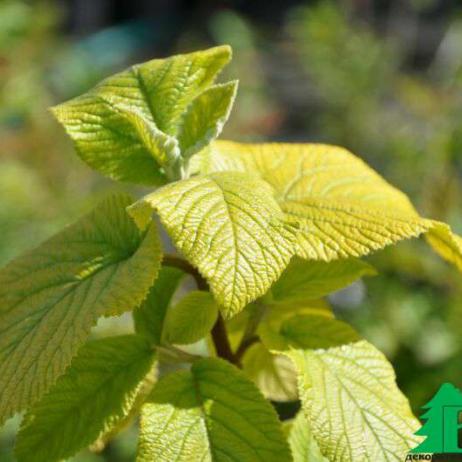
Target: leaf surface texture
127, 127
309, 280
211, 413
191, 319
149, 317
97, 391
302, 443
228, 226
344, 208
348, 391
51, 297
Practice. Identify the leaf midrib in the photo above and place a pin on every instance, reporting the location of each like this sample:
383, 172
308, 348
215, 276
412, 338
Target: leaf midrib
121, 371
40, 320
74, 280
333, 372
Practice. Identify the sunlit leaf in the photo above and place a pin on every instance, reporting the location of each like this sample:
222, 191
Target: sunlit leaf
229, 226
446, 243
348, 392
97, 391
345, 209
210, 413
302, 443
274, 374
52, 296
149, 317
127, 126
191, 318
205, 117
305, 280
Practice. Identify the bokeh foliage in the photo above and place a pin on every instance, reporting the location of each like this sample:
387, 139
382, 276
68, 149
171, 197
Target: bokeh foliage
324, 75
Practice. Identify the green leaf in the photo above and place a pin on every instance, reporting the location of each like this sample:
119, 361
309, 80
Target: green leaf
348, 392
172, 84
127, 126
210, 413
446, 243
204, 119
313, 331
334, 230
229, 226
302, 443
269, 329
97, 391
191, 319
52, 296
303, 172
121, 141
149, 317
274, 375
236, 326
344, 208
308, 280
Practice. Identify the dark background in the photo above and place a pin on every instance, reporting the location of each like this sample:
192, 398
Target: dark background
382, 78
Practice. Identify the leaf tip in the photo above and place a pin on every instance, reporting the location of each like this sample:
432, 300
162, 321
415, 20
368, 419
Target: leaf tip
234, 84
369, 270
56, 111
141, 213
225, 50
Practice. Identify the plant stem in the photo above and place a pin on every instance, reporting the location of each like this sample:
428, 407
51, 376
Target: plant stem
183, 265
243, 347
219, 334
250, 337
221, 341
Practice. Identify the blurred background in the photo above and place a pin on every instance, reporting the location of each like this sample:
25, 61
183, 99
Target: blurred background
382, 78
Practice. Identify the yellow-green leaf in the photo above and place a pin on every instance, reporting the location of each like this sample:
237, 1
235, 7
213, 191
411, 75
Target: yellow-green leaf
229, 226
344, 207
302, 443
149, 317
211, 413
274, 374
120, 141
190, 319
305, 280
205, 117
312, 331
299, 172
446, 243
276, 314
348, 392
127, 126
332, 230
52, 296
172, 84
96, 393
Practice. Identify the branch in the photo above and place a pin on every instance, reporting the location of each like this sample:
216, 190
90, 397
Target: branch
219, 334
244, 346
185, 266
250, 337
221, 341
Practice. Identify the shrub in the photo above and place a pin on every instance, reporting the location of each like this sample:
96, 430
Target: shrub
265, 230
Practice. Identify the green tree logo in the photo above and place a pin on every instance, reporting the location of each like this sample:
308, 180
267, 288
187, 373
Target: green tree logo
442, 422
